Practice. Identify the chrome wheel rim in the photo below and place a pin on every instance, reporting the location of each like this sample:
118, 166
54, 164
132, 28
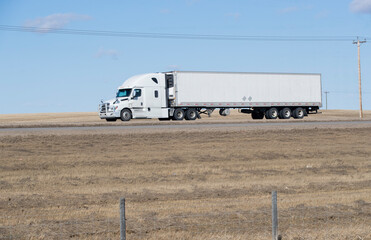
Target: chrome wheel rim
179, 114
300, 113
274, 114
126, 115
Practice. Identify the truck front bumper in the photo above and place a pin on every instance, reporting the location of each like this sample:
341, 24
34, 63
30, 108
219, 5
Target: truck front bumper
105, 113
108, 115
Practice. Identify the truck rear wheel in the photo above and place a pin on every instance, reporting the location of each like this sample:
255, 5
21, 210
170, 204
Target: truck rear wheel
257, 115
191, 114
125, 115
272, 113
285, 113
178, 114
298, 113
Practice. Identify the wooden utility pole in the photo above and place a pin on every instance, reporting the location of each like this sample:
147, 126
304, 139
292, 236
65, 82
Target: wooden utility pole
326, 98
359, 76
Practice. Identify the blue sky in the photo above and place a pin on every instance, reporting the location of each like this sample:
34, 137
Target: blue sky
48, 72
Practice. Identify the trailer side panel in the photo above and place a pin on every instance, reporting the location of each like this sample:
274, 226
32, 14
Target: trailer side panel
219, 89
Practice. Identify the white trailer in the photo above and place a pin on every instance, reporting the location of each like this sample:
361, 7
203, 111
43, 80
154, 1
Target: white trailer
182, 95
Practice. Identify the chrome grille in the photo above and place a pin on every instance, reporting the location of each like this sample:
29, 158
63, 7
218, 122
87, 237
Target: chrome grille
104, 107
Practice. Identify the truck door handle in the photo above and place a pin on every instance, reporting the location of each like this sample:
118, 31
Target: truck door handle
141, 104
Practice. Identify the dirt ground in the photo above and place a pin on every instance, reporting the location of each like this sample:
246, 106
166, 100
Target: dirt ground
186, 184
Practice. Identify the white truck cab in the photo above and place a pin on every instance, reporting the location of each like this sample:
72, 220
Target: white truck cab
141, 96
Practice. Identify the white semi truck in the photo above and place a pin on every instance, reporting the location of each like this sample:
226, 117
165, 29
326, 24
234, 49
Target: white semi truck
182, 95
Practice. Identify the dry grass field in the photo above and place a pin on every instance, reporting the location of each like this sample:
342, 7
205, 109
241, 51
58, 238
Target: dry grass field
185, 184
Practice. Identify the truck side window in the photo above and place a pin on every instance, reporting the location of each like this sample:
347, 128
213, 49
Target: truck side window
156, 94
138, 92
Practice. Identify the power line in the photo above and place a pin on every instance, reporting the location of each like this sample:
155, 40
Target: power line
349, 92
174, 35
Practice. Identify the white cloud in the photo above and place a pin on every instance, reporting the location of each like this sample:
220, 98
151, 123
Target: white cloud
360, 6
288, 10
322, 14
54, 21
192, 2
112, 53
165, 11
235, 15
174, 67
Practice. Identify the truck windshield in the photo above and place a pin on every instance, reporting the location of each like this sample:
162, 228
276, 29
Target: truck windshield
123, 92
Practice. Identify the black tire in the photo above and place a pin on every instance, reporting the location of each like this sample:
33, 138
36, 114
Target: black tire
257, 115
285, 113
125, 115
191, 114
272, 113
111, 119
298, 113
224, 112
178, 114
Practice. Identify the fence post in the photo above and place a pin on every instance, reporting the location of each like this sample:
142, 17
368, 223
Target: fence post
274, 216
122, 219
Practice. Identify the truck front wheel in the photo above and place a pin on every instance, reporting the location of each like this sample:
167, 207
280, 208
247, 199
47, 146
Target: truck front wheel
125, 115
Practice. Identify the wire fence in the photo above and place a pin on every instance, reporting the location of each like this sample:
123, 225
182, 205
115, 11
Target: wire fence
207, 220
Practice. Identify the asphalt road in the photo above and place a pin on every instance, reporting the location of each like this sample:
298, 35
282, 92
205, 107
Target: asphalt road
184, 127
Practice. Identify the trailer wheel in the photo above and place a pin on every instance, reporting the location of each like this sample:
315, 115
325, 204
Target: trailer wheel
178, 114
125, 114
257, 115
285, 113
298, 113
272, 113
191, 114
